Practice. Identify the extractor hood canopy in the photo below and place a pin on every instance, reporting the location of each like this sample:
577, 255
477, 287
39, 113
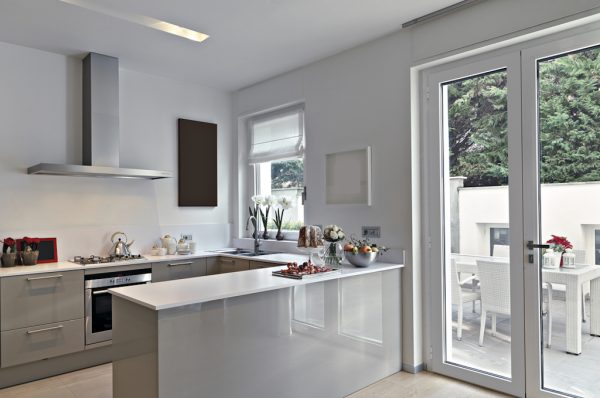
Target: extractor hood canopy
100, 127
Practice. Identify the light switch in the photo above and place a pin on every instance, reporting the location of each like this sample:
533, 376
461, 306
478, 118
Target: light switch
371, 232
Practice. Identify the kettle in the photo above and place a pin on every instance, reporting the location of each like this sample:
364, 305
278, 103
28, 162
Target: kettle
120, 248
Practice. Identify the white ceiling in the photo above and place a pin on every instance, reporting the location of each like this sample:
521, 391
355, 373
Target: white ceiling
251, 40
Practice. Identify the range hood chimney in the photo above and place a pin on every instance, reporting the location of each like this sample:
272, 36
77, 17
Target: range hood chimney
100, 127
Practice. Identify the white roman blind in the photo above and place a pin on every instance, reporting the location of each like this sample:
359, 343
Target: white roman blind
277, 135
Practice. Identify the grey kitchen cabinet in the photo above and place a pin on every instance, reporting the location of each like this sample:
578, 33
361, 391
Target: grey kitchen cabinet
178, 269
40, 299
229, 264
41, 342
213, 266
261, 264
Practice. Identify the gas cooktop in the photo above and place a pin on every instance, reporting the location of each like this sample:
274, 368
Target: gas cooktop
102, 260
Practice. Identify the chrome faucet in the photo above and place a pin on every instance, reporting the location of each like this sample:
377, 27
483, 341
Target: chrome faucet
256, 233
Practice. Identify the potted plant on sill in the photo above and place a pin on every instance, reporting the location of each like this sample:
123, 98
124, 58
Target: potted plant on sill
284, 203
254, 211
268, 202
9, 252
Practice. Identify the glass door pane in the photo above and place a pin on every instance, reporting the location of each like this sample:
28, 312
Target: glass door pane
568, 138
477, 266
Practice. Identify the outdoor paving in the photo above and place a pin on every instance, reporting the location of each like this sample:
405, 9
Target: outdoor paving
573, 374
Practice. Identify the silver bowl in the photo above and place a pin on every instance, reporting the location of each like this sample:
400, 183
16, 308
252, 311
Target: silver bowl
360, 259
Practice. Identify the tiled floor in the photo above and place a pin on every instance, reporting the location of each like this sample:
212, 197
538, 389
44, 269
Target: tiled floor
97, 383
573, 374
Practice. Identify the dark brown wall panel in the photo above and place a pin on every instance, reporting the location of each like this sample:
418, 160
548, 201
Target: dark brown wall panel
197, 163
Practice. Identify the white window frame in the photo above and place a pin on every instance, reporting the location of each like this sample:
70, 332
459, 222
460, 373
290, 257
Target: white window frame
281, 112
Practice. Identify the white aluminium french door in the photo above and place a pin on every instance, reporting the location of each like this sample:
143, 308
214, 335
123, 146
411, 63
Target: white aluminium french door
512, 157
474, 200
561, 152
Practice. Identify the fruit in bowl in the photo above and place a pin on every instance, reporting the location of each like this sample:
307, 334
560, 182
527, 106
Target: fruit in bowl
362, 253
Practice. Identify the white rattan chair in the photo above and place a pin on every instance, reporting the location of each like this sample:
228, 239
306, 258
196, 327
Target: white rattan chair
461, 296
494, 279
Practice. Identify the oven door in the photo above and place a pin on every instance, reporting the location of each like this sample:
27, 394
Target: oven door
98, 315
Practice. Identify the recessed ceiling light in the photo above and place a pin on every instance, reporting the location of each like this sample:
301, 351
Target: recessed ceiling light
143, 20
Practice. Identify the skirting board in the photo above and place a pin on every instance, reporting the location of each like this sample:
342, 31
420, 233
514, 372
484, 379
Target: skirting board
54, 366
412, 368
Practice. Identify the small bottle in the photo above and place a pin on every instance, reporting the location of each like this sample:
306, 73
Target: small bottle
569, 259
548, 259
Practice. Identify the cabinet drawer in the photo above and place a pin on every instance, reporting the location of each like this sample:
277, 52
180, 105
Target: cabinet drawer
213, 266
39, 299
179, 269
228, 264
41, 342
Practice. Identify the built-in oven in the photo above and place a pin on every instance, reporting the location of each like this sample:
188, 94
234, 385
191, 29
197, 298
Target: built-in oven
98, 301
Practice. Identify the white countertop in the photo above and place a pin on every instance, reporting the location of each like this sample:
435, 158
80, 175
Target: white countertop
63, 266
178, 293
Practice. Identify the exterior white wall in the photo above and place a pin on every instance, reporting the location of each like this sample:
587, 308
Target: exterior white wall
567, 210
363, 97
40, 121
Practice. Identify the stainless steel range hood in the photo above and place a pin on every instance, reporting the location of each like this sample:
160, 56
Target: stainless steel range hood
100, 127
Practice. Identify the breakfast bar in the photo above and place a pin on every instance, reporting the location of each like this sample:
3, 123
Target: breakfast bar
251, 334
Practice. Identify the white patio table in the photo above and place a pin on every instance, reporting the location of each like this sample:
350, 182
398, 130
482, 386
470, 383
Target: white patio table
573, 279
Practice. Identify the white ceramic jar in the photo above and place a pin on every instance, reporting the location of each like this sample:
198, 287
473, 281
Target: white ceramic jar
549, 259
568, 259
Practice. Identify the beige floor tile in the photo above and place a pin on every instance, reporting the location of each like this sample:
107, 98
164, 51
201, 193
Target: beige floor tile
96, 382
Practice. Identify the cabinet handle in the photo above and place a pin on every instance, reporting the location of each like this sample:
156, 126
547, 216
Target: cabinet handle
99, 292
177, 264
45, 277
224, 260
45, 329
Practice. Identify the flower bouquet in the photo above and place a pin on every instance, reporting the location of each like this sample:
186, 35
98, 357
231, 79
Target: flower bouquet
559, 244
333, 251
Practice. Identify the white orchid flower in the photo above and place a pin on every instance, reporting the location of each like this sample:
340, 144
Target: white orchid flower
270, 200
285, 202
258, 199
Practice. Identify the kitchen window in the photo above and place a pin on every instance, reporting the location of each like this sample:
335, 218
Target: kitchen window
277, 156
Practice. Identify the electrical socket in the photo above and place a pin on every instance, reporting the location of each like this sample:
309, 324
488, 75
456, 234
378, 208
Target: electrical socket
187, 237
371, 232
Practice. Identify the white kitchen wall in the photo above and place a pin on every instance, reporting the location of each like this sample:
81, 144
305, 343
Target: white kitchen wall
362, 97
40, 121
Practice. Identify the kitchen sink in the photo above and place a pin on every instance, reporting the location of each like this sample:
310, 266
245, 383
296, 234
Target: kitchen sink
244, 252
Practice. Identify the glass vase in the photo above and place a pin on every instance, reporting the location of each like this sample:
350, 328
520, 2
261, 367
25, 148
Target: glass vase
333, 253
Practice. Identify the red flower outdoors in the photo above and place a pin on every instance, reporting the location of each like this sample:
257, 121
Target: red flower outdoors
9, 243
560, 242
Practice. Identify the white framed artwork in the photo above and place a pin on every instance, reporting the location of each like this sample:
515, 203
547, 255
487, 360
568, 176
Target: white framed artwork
348, 177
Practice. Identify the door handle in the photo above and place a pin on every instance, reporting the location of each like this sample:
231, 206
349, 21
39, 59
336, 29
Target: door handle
97, 292
531, 245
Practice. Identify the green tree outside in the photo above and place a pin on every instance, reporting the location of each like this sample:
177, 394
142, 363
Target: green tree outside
569, 114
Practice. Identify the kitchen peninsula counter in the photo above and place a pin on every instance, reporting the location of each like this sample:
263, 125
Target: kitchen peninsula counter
250, 334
